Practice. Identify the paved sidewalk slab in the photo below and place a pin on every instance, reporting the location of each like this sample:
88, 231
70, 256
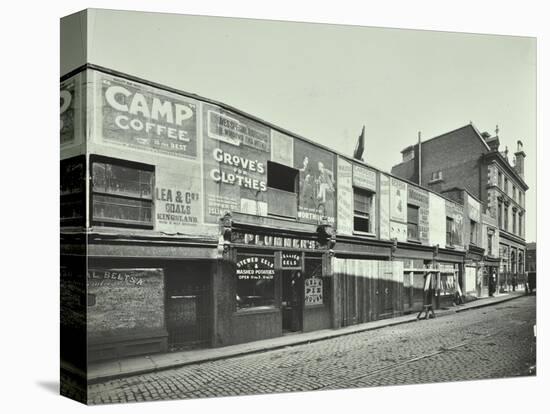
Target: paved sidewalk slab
104, 371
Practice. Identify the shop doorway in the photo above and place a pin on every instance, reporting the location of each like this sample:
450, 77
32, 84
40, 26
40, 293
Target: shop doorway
188, 307
292, 300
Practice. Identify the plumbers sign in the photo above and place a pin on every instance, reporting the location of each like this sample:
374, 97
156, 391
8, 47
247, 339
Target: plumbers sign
147, 118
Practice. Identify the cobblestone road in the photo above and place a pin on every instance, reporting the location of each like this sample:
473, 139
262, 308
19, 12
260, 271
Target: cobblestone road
490, 342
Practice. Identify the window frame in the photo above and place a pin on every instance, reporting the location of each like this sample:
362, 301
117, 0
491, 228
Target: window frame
109, 222
364, 215
473, 232
449, 240
415, 223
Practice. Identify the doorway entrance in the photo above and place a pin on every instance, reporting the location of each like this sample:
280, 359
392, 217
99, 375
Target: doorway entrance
292, 300
188, 307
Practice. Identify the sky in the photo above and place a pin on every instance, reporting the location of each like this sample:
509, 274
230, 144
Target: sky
326, 81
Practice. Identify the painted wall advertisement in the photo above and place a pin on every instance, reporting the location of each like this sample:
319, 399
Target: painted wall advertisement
236, 151
384, 207
316, 181
418, 197
178, 201
143, 293
398, 200
345, 197
474, 210
146, 118
364, 177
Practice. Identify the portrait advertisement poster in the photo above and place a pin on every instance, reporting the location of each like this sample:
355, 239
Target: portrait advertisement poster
384, 207
419, 197
142, 117
316, 182
398, 200
178, 198
344, 222
236, 151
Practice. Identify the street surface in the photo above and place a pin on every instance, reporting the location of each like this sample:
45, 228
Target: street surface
490, 342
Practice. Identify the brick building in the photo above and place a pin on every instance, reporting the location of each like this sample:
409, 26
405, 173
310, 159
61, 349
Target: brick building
467, 161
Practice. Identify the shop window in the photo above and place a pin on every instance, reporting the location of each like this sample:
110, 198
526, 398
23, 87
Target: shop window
473, 232
255, 281
449, 231
412, 222
72, 191
362, 210
122, 193
282, 190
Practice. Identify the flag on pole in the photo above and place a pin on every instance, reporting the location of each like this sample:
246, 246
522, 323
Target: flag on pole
360, 146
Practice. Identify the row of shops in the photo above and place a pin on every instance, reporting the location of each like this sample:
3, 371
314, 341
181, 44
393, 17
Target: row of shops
146, 295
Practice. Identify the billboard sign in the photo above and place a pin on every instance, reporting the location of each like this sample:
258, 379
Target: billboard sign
398, 200
142, 117
344, 223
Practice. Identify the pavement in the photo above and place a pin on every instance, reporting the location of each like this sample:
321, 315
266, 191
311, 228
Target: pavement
110, 370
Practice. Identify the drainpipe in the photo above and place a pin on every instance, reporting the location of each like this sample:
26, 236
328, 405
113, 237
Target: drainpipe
419, 158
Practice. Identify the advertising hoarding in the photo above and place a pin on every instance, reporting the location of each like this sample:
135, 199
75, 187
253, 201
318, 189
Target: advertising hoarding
282, 148
364, 177
236, 151
398, 200
316, 182
419, 197
437, 220
384, 207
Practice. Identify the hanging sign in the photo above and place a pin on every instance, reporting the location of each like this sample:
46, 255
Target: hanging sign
291, 260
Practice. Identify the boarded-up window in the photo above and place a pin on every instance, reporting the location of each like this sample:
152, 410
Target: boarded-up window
122, 193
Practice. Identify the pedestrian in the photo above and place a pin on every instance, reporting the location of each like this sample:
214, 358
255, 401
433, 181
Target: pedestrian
492, 284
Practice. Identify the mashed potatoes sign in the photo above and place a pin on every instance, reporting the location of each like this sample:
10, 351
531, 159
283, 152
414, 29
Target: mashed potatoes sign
144, 117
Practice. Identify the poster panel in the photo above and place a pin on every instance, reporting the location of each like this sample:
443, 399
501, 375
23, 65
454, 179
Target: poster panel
384, 207
178, 199
124, 299
142, 117
282, 148
419, 197
474, 210
437, 220
398, 200
67, 111
316, 182
344, 223
236, 151
364, 177
398, 231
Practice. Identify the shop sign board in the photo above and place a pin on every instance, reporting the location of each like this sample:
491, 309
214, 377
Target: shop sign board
291, 260
316, 183
384, 207
235, 164
364, 177
313, 287
250, 267
398, 200
273, 241
178, 200
344, 223
146, 118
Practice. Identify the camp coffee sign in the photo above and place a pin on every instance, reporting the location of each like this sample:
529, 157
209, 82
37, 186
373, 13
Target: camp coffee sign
147, 118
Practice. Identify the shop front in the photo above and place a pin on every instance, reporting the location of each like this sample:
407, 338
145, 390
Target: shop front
450, 269
472, 282
271, 283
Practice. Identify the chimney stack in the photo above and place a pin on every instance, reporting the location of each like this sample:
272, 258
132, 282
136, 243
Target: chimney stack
520, 159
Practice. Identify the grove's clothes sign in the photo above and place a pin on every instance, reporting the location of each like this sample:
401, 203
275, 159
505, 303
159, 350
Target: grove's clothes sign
120, 300
317, 185
236, 151
398, 200
178, 199
146, 118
